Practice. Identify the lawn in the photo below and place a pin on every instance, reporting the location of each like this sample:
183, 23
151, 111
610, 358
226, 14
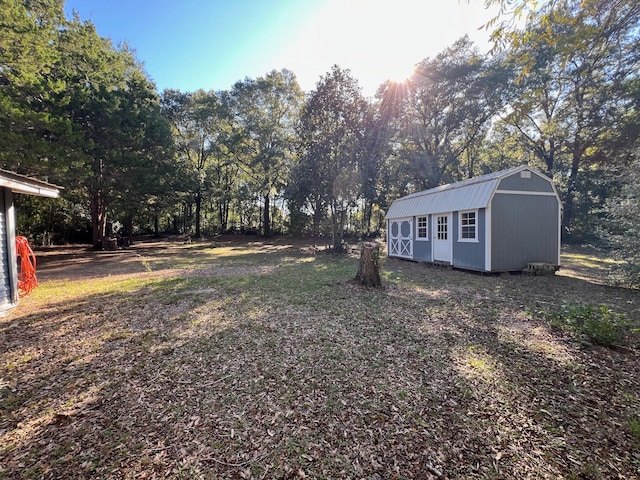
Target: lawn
239, 358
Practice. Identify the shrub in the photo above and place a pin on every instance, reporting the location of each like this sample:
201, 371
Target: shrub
598, 323
634, 427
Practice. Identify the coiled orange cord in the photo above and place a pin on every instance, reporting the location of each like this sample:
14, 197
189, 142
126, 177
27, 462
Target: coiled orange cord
27, 280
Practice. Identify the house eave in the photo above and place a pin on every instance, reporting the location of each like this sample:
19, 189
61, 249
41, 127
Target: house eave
21, 184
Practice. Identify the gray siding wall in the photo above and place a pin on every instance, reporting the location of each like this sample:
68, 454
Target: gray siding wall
524, 229
470, 255
533, 184
422, 248
5, 271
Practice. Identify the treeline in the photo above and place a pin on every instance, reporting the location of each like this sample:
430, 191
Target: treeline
561, 94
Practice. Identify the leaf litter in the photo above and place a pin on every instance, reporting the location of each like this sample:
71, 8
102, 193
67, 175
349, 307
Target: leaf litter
263, 360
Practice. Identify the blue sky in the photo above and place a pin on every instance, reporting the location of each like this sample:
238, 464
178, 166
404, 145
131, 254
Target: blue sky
211, 44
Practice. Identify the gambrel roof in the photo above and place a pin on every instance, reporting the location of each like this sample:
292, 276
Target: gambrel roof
466, 195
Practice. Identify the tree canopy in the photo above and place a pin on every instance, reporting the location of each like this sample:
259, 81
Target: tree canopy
560, 91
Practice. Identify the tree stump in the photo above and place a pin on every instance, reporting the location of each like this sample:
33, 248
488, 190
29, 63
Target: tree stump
369, 269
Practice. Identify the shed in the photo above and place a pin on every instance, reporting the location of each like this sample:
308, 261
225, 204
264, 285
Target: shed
494, 223
11, 183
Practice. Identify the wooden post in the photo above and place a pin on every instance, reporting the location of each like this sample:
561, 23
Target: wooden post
369, 269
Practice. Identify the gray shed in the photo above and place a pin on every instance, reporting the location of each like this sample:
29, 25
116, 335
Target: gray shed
11, 183
494, 223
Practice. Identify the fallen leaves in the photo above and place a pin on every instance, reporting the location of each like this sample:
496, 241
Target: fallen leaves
284, 370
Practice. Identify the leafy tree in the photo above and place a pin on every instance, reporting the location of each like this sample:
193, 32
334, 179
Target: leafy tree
116, 130
267, 110
149, 176
381, 166
450, 100
195, 118
332, 139
28, 53
622, 229
571, 92
78, 109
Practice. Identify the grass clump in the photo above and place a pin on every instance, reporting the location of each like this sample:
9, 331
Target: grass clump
634, 427
597, 323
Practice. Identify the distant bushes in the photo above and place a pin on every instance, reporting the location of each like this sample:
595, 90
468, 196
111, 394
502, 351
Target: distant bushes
598, 324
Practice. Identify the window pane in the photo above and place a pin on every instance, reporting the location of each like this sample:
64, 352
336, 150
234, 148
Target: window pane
422, 227
468, 225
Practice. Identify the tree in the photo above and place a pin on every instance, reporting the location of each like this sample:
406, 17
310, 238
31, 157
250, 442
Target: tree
622, 230
115, 129
267, 110
29, 51
450, 100
197, 129
149, 175
77, 108
573, 67
332, 140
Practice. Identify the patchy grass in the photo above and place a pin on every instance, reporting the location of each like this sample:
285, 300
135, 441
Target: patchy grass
597, 323
264, 360
588, 264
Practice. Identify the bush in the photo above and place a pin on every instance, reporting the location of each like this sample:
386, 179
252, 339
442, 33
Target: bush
598, 323
634, 427
622, 229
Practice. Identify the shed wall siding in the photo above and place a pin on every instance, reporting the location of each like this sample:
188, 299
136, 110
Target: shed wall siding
5, 271
533, 184
422, 248
524, 229
470, 255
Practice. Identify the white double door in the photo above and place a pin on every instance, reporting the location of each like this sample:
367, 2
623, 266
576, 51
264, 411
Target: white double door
401, 238
442, 237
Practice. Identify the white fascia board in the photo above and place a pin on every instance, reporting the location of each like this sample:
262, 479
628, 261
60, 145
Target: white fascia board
19, 187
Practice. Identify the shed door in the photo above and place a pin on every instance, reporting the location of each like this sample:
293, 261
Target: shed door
401, 238
442, 237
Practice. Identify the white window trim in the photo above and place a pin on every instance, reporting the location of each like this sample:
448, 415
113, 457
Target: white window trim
467, 240
422, 239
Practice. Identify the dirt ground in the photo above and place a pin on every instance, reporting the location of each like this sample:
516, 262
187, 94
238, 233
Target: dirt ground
238, 358
81, 261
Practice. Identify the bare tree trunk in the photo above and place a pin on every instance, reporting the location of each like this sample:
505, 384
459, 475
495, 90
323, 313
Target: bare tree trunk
266, 220
129, 231
369, 268
198, 212
567, 213
98, 218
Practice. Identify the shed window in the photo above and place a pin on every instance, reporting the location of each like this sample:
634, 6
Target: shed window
468, 231
422, 232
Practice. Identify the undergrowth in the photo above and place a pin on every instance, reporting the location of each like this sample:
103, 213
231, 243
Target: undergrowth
597, 323
634, 427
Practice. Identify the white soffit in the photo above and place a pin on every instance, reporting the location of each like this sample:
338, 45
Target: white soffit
22, 184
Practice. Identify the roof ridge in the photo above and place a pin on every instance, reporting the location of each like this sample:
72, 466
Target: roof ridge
470, 181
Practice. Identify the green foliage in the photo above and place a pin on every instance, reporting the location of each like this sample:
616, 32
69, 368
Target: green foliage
572, 67
267, 111
331, 147
202, 137
77, 111
450, 100
562, 96
597, 323
28, 80
622, 229
634, 427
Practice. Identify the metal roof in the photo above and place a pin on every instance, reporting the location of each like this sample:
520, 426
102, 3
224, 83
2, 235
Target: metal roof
22, 184
466, 195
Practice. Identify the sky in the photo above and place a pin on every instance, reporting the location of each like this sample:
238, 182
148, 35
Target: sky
212, 44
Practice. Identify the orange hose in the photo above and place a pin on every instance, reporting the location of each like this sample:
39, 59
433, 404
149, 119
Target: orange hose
27, 280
